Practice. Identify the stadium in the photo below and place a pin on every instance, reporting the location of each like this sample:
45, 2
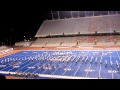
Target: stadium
70, 45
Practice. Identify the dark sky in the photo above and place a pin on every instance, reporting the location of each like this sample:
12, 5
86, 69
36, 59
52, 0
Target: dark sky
17, 23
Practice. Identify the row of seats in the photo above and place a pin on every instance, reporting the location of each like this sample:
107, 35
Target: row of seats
84, 25
73, 41
5, 49
23, 43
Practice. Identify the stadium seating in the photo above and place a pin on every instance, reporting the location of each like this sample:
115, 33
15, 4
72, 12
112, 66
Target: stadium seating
72, 41
84, 25
23, 43
5, 49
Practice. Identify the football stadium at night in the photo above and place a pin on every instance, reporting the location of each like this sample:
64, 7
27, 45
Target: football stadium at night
62, 45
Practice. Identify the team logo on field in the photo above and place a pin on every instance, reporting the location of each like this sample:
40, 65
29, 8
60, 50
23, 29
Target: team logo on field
15, 63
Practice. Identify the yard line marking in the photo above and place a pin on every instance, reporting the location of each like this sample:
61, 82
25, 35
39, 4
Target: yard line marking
68, 67
6, 65
23, 67
45, 63
96, 59
111, 62
26, 61
77, 69
11, 66
46, 70
40, 68
33, 66
55, 70
88, 69
21, 64
100, 65
118, 55
79, 66
37, 64
52, 76
19, 60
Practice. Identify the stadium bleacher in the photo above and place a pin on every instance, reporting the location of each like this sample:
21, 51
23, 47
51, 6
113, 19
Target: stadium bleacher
23, 43
72, 41
5, 49
101, 24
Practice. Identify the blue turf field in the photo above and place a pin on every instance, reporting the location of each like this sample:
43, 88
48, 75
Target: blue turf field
80, 63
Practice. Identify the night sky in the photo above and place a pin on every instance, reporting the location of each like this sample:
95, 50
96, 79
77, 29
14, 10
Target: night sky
17, 24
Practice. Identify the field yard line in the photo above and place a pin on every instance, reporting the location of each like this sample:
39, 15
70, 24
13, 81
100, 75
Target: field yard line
100, 65
66, 70
111, 67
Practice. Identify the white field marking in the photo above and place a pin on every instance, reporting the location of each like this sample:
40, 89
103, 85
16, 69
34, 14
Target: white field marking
67, 50
95, 52
77, 69
55, 70
11, 66
20, 60
33, 66
70, 50
52, 76
109, 52
7, 66
80, 65
38, 68
21, 64
111, 71
100, 66
46, 70
24, 66
118, 55
66, 70
111, 67
42, 62
96, 59
88, 69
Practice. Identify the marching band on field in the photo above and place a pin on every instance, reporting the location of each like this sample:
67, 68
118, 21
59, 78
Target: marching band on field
58, 56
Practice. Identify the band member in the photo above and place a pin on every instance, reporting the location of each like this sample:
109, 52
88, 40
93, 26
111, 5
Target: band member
117, 64
59, 65
105, 62
100, 61
54, 67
